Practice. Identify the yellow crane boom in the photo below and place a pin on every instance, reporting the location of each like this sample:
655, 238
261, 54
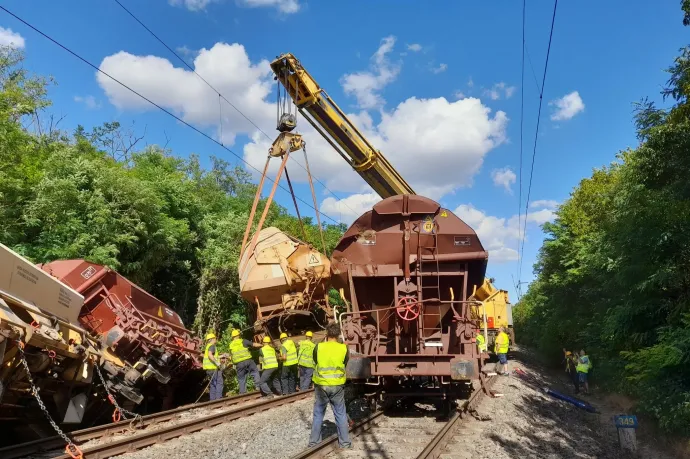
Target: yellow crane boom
332, 123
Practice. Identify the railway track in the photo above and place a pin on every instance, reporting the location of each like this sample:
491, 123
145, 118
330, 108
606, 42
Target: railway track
416, 436
128, 436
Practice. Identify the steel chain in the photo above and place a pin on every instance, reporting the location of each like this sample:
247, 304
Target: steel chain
135, 417
34, 391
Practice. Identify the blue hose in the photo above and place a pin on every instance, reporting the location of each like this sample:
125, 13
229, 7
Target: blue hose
578, 403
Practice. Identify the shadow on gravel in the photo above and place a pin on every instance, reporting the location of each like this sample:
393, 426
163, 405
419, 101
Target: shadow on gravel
548, 428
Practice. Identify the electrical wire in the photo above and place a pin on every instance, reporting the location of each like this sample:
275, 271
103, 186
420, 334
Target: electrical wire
221, 96
536, 136
98, 69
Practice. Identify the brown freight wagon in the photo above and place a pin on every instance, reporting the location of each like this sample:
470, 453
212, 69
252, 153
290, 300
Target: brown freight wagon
407, 268
146, 348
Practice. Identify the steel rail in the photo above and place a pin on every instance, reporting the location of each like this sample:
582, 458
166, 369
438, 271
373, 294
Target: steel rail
92, 433
435, 448
145, 439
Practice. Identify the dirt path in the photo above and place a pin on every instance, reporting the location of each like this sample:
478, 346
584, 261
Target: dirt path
527, 423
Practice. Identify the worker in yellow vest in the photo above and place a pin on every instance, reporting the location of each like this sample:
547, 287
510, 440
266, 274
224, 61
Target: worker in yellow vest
211, 364
242, 359
329, 385
481, 342
288, 355
501, 346
584, 364
269, 369
305, 359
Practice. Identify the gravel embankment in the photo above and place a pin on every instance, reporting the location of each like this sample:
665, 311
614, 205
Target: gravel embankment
527, 423
277, 433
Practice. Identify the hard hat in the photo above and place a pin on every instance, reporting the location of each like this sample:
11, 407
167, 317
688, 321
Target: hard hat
309, 334
210, 335
267, 339
568, 353
283, 335
235, 333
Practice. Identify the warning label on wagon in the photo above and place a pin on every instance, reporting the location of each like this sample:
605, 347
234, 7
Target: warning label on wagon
313, 259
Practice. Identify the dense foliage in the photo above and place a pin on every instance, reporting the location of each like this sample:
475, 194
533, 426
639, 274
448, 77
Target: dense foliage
613, 275
161, 220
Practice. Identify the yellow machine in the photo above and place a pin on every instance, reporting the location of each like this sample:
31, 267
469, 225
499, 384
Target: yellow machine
495, 311
332, 123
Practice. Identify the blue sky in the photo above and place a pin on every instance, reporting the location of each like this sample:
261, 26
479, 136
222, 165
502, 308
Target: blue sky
436, 89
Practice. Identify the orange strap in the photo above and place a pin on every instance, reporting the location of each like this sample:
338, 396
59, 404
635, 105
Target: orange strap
117, 415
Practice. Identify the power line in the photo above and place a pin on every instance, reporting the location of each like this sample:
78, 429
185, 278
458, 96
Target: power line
522, 119
90, 64
221, 96
536, 135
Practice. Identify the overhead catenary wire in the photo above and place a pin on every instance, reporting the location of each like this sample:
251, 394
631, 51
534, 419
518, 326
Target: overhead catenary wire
536, 136
221, 96
98, 69
522, 119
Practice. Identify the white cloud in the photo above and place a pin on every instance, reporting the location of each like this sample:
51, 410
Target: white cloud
90, 102
226, 67
567, 106
499, 90
349, 208
459, 95
191, 5
500, 236
451, 156
440, 69
545, 203
414, 47
187, 52
9, 38
504, 177
366, 85
284, 6
470, 83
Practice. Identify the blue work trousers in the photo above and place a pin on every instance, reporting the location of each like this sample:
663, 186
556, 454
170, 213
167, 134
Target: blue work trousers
215, 388
270, 378
288, 379
305, 375
335, 396
247, 367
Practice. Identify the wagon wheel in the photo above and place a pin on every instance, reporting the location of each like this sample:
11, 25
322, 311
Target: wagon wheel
408, 308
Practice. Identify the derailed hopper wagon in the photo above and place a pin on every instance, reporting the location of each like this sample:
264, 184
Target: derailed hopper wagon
146, 349
407, 268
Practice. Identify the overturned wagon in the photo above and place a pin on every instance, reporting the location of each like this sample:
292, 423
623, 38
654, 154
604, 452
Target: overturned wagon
146, 349
407, 268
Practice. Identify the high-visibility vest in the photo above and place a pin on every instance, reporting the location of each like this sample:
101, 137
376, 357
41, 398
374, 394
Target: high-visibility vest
583, 364
306, 353
330, 365
268, 357
291, 353
238, 351
481, 343
501, 343
207, 364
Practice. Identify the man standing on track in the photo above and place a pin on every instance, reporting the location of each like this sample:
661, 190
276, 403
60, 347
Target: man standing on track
501, 346
269, 368
306, 361
288, 354
242, 359
213, 368
329, 385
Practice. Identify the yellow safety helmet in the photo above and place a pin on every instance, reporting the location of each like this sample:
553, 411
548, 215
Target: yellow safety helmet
568, 353
210, 335
235, 333
309, 334
283, 335
267, 339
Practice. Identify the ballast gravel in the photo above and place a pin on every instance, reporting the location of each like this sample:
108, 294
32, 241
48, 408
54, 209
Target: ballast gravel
278, 433
522, 423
